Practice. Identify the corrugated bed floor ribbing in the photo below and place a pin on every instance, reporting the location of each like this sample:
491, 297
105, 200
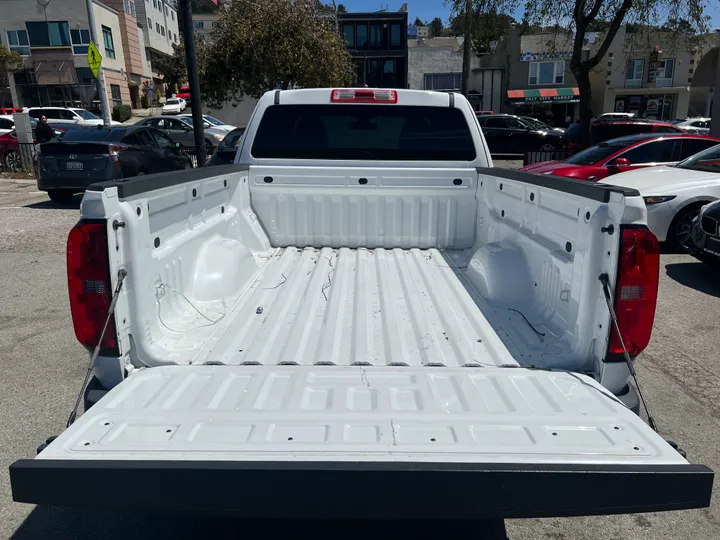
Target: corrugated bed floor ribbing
357, 307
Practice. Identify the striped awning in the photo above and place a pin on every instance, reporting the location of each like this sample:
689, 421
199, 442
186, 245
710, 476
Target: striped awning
553, 95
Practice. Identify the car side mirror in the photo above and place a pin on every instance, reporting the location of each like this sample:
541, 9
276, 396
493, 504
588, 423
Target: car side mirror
621, 162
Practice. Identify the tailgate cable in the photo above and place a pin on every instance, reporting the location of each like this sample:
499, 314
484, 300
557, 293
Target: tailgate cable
122, 274
605, 280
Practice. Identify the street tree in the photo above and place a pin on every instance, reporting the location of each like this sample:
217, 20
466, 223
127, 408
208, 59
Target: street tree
341, 8
10, 62
257, 46
436, 27
579, 17
419, 22
172, 67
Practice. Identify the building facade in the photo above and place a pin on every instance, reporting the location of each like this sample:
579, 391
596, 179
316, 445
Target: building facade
649, 75
159, 22
53, 41
378, 45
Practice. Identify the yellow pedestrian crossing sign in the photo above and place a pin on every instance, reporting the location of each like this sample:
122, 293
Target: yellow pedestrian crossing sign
94, 59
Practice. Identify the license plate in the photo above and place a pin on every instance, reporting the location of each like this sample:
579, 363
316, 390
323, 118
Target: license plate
74, 166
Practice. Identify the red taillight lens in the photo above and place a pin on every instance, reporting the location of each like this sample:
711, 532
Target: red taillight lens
89, 285
363, 95
115, 155
636, 290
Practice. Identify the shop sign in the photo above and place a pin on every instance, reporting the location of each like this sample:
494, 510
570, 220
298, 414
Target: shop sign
619, 105
550, 99
653, 106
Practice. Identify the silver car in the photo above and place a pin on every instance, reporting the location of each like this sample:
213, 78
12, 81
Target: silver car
180, 130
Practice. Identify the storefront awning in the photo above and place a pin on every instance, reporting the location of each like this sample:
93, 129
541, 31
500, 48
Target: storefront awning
551, 95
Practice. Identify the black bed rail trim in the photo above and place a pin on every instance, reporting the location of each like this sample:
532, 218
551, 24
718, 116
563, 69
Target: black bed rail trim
142, 184
360, 490
582, 188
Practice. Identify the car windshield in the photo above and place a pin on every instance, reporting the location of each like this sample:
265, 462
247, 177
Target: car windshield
595, 153
172, 102
231, 139
86, 115
707, 160
187, 119
213, 121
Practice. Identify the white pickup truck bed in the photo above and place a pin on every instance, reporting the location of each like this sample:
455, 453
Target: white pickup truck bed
354, 307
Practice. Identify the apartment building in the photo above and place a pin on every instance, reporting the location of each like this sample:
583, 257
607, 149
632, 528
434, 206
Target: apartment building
159, 22
53, 41
649, 75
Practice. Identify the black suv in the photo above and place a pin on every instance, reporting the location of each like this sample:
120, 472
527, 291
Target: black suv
509, 134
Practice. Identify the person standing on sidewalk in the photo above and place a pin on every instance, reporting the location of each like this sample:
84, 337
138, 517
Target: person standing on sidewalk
43, 132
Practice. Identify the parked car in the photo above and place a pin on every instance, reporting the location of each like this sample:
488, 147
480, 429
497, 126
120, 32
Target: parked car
625, 154
326, 315
615, 116
509, 134
607, 129
705, 245
210, 122
182, 131
674, 195
539, 124
172, 106
7, 124
67, 115
10, 110
12, 153
87, 156
226, 150
183, 103
184, 93
700, 126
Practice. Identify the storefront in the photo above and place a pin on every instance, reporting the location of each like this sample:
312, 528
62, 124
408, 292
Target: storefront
652, 107
549, 105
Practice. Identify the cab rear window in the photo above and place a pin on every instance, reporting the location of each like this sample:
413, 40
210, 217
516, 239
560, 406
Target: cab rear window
363, 132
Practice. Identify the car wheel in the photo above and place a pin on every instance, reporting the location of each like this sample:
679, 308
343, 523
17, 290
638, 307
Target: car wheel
188, 164
547, 147
61, 196
13, 161
680, 233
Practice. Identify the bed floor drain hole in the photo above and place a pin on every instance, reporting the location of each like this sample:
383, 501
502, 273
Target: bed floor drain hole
290, 438
433, 439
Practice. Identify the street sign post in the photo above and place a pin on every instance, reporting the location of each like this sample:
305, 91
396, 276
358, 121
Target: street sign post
94, 59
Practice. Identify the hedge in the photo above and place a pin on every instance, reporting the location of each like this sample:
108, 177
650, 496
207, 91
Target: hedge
121, 113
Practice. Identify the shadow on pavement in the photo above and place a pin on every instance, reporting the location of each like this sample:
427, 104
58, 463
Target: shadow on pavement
696, 275
61, 524
50, 205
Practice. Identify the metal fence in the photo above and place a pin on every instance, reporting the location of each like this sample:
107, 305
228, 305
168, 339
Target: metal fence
191, 151
536, 157
16, 157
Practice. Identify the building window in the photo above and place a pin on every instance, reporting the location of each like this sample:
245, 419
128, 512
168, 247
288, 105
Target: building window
443, 81
18, 41
172, 15
199, 25
108, 41
361, 41
166, 11
157, 27
349, 33
116, 97
149, 23
162, 31
547, 73
48, 34
662, 72
634, 73
80, 40
396, 36
132, 9
375, 36
155, 2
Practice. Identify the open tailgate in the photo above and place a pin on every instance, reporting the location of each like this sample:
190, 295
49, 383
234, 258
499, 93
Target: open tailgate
362, 442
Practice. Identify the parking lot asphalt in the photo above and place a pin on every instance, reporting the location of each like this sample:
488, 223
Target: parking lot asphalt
42, 366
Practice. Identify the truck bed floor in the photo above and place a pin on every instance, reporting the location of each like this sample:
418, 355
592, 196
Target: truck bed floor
356, 307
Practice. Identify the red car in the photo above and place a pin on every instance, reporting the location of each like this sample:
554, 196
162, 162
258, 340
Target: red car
11, 154
625, 154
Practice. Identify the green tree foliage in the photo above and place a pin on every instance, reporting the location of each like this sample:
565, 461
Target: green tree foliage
418, 22
257, 46
172, 67
341, 8
578, 17
436, 27
10, 62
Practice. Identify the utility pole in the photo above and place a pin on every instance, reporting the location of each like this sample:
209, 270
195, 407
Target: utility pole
466, 49
104, 103
193, 81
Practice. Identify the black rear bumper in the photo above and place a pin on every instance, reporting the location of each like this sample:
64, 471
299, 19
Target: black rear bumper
308, 490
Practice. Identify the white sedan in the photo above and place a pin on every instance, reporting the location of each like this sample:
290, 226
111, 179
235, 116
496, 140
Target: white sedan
172, 106
699, 126
674, 194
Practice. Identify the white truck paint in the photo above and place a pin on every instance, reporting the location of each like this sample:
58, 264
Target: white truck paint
292, 318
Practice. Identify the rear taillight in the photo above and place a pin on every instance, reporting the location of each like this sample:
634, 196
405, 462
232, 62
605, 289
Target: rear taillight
88, 270
363, 95
636, 290
115, 155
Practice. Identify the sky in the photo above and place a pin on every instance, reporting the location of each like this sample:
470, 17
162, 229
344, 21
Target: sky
429, 9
